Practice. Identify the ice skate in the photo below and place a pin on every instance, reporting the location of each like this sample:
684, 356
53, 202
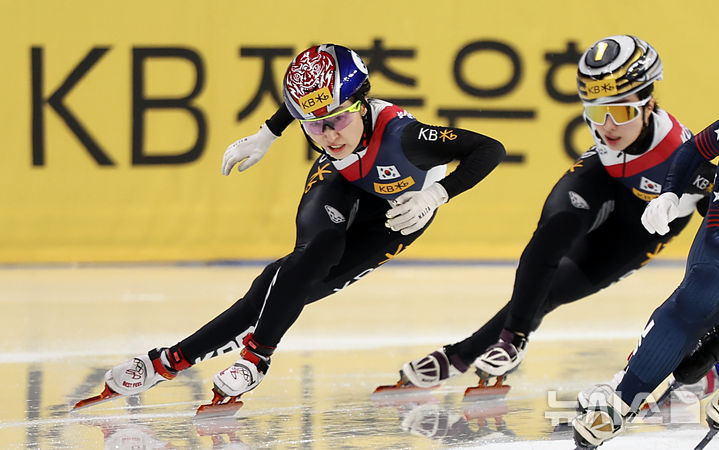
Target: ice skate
678, 393
486, 389
130, 378
402, 394
712, 413
229, 384
504, 356
424, 373
497, 362
583, 396
690, 393
605, 417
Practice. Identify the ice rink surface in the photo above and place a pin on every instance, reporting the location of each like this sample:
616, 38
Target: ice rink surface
63, 327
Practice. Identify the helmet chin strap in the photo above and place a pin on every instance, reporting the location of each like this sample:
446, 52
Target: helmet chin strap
643, 141
367, 131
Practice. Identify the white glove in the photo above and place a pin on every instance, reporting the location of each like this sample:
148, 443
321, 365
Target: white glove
412, 210
248, 150
659, 212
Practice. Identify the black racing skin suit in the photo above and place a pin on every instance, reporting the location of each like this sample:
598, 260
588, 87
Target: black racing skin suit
583, 244
337, 246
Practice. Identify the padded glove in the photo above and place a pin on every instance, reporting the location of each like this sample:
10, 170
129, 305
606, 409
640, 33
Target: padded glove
247, 151
412, 210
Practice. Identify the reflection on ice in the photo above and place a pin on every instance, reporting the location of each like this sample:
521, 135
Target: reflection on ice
318, 393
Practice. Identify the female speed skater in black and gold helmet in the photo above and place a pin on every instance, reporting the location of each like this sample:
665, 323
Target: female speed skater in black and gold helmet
589, 233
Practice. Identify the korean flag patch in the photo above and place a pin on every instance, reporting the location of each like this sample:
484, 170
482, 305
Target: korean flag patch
648, 185
387, 172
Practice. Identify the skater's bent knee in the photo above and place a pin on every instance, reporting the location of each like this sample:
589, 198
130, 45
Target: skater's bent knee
697, 298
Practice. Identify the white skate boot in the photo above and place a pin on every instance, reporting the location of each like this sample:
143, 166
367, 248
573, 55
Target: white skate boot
605, 417
429, 371
132, 377
243, 376
683, 393
138, 374
583, 395
712, 411
691, 393
504, 356
424, 373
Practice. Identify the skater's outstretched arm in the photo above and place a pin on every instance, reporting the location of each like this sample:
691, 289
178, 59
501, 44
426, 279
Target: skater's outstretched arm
249, 150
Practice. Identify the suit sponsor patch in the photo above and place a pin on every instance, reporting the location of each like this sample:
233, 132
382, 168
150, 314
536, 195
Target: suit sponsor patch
393, 188
578, 201
335, 216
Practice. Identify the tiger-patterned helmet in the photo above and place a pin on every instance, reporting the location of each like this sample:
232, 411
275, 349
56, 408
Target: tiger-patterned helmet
320, 79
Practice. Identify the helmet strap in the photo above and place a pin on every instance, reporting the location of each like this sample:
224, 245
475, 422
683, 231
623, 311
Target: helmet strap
643, 141
367, 122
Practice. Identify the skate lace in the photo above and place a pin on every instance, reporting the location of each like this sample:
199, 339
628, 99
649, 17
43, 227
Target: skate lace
137, 372
239, 370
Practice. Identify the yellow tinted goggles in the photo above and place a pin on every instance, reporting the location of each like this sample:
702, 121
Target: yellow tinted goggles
621, 113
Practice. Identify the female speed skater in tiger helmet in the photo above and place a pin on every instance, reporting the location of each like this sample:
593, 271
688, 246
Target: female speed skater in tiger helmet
372, 191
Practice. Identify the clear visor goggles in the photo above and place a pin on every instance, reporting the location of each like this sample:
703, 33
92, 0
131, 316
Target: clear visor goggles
621, 113
337, 121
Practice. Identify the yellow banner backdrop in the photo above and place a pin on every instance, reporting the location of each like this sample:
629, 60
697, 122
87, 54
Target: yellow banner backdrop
115, 115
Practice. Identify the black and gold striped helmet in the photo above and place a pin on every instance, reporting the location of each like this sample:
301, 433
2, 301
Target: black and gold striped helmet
615, 67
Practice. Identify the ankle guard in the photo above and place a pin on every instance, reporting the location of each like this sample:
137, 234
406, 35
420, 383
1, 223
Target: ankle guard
517, 339
455, 359
256, 353
155, 356
176, 359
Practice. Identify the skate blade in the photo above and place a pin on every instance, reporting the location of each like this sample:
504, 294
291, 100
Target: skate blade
402, 386
653, 406
479, 393
105, 395
221, 406
399, 388
220, 410
483, 391
664, 402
